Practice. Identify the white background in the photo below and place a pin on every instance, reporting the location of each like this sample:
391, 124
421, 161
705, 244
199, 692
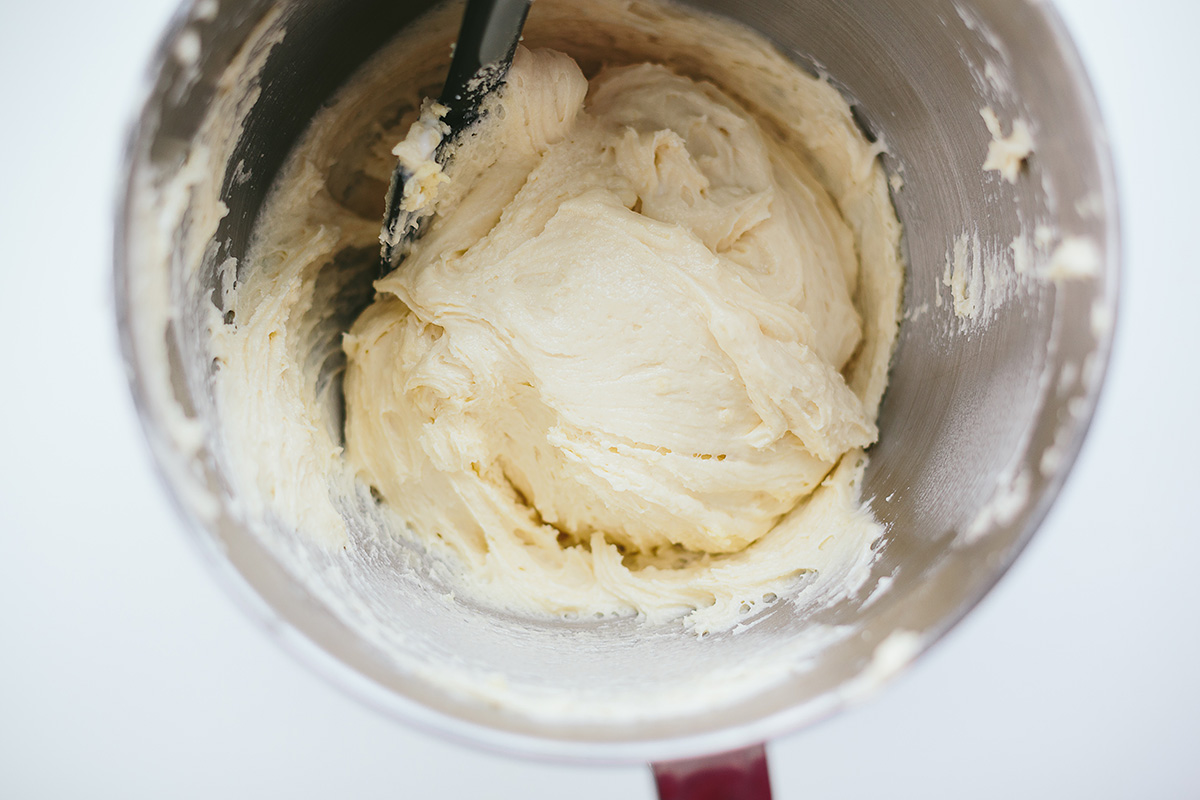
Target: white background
125, 671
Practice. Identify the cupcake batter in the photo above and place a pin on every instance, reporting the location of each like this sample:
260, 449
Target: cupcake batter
633, 362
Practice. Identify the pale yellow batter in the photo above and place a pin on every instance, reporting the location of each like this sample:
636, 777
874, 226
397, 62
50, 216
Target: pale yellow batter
632, 364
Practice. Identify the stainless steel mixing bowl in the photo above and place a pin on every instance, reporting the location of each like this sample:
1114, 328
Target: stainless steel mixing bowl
979, 426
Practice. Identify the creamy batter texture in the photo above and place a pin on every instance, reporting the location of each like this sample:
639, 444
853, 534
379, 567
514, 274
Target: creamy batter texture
1006, 154
631, 366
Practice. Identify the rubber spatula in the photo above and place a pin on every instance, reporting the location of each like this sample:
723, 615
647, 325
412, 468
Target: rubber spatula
482, 55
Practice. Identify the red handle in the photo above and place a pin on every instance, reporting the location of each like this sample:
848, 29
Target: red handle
740, 775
